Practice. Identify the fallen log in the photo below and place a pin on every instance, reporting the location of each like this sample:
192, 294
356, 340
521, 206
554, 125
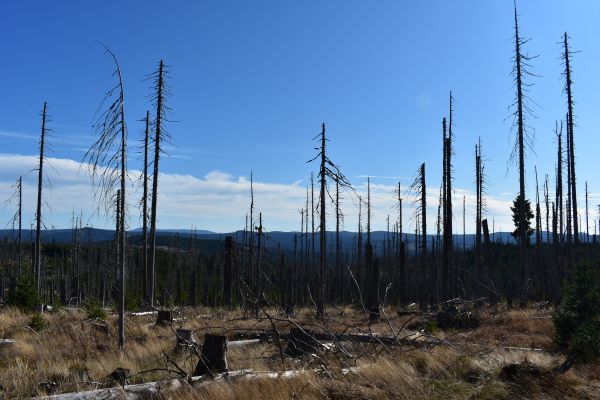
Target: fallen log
241, 343
155, 389
142, 313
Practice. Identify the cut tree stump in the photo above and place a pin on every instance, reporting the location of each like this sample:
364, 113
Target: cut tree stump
120, 375
214, 355
185, 338
164, 317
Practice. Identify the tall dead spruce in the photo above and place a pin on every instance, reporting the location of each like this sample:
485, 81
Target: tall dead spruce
145, 271
521, 110
327, 169
38, 213
107, 161
566, 57
161, 92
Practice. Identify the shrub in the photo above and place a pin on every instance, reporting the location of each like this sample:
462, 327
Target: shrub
577, 321
37, 322
94, 310
25, 295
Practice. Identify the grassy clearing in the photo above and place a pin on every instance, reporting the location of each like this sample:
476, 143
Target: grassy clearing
78, 355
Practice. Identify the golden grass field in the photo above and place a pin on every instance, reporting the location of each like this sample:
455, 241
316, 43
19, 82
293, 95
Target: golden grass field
73, 353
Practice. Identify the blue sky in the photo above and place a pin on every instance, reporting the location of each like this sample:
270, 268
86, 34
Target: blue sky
252, 82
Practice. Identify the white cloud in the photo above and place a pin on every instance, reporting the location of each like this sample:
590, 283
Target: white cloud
219, 201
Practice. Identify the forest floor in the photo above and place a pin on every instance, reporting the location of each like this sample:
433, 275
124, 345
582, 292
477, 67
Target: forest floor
510, 355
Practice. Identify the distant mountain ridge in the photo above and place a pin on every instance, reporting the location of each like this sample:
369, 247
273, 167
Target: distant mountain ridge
287, 240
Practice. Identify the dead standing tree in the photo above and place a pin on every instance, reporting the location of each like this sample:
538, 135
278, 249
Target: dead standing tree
107, 162
447, 204
570, 141
327, 169
520, 71
145, 272
38, 213
17, 195
161, 92
419, 189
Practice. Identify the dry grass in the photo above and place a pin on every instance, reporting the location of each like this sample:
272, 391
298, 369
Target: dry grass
77, 356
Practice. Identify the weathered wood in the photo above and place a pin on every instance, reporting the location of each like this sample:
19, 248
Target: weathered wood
241, 343
155, 390
185, 337
214, 355
302, 341
164, 317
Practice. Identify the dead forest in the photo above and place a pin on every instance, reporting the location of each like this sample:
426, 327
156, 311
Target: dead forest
323, 309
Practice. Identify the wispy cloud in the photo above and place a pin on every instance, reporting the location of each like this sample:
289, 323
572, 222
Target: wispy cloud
219, 201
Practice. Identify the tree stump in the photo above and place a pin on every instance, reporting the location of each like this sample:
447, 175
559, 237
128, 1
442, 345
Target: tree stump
214, 355
185, 338
120, 375
164, 317
301, 342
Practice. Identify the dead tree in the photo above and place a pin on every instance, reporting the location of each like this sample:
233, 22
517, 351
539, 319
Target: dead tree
338, 249
401, 249
368, 210
568, 201
587, 222
538, 216
478, 216
107, 162
327, 169
547, 204
161, 92
447, 204
257, 283
419, 188
227, 271
38, 213
17, 196
559, 182
147, 281
521, 62
570, 124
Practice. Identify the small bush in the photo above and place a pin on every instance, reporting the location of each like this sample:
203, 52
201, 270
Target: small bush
37, 322
577, 321
94, 310
431, 327
25, 295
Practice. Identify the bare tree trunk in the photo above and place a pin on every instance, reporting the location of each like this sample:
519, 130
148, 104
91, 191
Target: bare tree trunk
38, 214
227, 273
258, 267
338, 250
157, 143
423, 221
521, 150
559, 183
323, 231
587, 222
568, 84
20, 244
147, 282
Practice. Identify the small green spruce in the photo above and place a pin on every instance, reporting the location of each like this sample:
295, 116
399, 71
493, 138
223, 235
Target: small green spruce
94, 310
37, 322
577, 320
